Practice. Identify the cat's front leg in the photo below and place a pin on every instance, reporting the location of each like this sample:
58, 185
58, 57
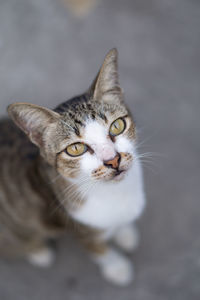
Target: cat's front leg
114, 266
127, 237
42, 256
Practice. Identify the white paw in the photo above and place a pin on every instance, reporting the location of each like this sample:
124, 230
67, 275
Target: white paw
116, 268
127, 238
42, 258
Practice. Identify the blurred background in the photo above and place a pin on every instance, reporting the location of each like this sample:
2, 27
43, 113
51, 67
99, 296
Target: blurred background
50, 50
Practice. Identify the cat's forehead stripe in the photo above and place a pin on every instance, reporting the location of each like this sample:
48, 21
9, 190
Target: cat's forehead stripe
74, 105
77, 111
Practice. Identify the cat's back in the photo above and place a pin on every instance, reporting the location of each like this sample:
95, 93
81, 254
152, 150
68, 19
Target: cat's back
24, 211
16, 158
14, 145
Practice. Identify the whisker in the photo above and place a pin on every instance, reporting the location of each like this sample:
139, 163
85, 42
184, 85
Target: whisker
71, 192
146, 162
146, 139
54, 179
151, 154
149, 168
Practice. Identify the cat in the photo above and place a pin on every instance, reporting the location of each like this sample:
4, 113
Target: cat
74, 168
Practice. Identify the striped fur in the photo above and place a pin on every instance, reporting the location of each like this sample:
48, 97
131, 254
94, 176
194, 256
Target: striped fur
41, 186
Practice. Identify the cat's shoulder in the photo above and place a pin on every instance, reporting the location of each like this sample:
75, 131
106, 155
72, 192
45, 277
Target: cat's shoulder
14, 142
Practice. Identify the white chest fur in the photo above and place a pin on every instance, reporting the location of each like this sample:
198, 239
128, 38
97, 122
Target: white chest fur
110, 205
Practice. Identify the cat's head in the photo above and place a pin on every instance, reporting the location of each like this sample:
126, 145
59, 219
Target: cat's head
91, 135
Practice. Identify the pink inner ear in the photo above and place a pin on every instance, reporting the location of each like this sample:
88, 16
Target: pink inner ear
22, 123
32, 119
36, 137
29, 121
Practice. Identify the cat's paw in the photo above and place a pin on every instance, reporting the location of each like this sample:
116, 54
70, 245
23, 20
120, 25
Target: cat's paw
127, 238
116, 268
43, 257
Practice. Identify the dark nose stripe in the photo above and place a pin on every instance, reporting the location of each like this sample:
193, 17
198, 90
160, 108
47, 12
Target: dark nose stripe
113, 163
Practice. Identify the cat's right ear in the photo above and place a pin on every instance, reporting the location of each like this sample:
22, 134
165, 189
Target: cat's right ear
106, 85
32, 119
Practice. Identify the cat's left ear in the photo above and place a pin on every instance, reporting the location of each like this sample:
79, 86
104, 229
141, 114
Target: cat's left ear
106, 84
33, 120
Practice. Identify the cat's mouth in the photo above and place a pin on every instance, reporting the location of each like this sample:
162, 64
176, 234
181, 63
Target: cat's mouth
119, 174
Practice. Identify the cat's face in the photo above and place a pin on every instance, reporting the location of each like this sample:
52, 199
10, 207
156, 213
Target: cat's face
102, 147
90, 136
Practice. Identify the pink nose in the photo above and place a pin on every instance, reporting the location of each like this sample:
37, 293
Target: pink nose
113, 163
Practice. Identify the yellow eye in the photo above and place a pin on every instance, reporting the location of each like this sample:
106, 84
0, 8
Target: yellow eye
76, 149
117, 127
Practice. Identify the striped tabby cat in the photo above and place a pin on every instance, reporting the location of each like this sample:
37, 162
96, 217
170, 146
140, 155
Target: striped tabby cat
73, 168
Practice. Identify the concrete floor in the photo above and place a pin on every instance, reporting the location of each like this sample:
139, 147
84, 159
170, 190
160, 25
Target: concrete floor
46, 56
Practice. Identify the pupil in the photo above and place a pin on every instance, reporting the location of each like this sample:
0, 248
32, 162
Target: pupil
116, 127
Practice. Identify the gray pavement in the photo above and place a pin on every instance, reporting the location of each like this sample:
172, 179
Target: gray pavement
46, 56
